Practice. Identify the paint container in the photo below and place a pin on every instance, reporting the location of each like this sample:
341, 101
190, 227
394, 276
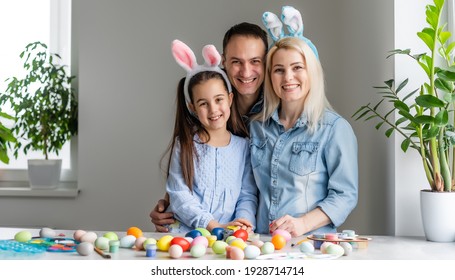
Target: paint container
150, 250
349, 232
114, 246
317, 243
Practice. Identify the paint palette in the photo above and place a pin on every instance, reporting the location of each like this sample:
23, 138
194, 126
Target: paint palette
58, 245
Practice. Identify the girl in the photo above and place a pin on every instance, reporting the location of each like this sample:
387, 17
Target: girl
209, 177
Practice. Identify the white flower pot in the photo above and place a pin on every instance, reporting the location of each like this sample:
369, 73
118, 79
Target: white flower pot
438, 210
44, 174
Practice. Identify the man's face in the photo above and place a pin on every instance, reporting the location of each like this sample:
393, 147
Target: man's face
244, 61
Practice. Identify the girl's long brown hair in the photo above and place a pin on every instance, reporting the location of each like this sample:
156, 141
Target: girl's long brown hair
187, 125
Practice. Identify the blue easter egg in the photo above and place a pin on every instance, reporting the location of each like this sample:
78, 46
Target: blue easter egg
219, 233
193, 234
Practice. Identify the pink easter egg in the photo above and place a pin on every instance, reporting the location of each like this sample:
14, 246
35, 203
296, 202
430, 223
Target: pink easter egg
200, 240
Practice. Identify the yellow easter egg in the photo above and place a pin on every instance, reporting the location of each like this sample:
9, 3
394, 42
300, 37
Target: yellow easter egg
239, 243
164, 243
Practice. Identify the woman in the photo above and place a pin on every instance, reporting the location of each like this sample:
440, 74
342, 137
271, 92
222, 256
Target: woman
303, 154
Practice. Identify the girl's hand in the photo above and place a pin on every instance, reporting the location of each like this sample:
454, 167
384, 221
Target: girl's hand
242, 223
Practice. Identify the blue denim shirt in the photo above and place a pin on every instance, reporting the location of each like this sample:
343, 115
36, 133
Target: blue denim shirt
223, 186
296, 171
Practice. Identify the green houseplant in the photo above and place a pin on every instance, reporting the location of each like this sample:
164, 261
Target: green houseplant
6, 136
44, 105
425, 117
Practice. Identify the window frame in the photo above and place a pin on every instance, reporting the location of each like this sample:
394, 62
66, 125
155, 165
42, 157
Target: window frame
59, 42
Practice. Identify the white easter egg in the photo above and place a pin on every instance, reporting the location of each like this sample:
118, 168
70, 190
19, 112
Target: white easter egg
127, 241
85, 248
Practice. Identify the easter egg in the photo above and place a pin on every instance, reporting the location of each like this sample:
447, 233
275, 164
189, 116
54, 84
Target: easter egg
135, 231
89, 237
335, 249
219, 247
47, 232
78, 234
241, 233
203, 231
306, 247
258, 243
164, 243
230, 238
324, 246
85, 248
267, 248
111, 235
278, 241
347, 248
251, 252
189, 239
23, 236
148, 241
283, 233
197, 251
127, 241
175, 251
139, 243
218, 232
102, 243
200, 240
193, 234
182, 242
239, 243
237, 254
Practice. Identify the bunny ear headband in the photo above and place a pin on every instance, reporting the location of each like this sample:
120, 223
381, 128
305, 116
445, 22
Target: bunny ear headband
186, 58
292, 18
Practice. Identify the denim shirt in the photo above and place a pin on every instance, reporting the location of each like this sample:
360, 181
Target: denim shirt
296, 171
223, 186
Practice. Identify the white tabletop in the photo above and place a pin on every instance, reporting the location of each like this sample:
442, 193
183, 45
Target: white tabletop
379, 248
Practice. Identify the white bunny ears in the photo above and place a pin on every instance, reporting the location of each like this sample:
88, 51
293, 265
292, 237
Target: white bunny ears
185, 57
292, 18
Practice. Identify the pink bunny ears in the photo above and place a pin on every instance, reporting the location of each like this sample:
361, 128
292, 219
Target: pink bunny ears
185, 57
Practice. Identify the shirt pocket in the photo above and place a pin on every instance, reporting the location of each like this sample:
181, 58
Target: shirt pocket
303, 157
257, 147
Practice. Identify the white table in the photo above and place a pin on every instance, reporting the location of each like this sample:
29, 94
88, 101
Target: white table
379, 248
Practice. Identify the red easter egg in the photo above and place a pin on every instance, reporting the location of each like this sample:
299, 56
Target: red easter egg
241, 233
182, 242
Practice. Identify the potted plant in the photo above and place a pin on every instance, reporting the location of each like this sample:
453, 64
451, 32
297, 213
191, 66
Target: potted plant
426, 122
45, 108
6, 136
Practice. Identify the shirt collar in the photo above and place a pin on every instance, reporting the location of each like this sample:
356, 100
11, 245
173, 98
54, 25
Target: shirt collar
301, 121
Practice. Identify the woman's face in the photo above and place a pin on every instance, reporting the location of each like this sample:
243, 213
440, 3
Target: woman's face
289, 76
211, 103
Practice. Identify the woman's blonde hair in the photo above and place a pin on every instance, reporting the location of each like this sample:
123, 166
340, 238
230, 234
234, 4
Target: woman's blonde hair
316, 101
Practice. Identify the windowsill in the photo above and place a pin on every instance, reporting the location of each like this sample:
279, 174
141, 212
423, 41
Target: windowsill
22, 189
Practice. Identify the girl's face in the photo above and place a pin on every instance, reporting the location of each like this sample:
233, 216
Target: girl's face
211, 103
289, 76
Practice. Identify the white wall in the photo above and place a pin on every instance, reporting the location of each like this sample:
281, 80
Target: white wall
127, 80
410, 178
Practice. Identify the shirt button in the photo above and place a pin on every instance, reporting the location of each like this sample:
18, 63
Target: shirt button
274, 182
275, 160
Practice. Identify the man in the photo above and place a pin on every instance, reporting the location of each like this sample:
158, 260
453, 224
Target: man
244, 49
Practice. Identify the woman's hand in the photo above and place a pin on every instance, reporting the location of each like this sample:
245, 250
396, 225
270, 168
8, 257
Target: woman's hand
295, 226
310, 221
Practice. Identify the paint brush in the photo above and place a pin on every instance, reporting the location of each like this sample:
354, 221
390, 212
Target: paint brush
102, 254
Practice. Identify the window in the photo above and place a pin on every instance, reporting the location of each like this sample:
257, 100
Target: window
22, 22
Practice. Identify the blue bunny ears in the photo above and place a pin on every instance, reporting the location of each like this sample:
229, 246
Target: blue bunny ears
292, 18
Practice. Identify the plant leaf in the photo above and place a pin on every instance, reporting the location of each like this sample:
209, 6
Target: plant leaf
405, 144
429, 101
